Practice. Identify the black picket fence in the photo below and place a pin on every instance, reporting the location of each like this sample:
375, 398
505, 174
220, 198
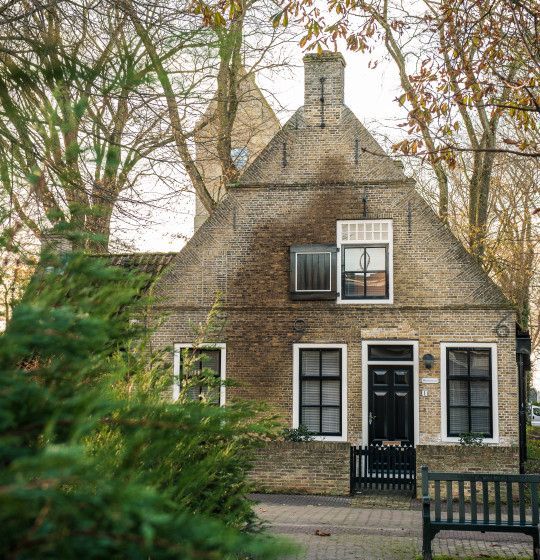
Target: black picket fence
383, 467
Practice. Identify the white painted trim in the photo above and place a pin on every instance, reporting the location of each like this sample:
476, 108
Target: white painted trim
365, 384
178, 346
494, 388
390, 241
296, 388
296, 271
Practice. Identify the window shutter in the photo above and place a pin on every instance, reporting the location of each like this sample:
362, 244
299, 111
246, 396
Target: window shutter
313, 272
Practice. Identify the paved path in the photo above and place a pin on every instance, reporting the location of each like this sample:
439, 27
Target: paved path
359, 530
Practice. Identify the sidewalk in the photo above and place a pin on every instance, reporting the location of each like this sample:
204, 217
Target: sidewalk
366, 532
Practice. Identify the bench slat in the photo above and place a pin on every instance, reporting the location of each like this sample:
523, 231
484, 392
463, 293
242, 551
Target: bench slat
485, 501
449, 500
474, 516
510, 503
522, 515
534, 500
437, 500
497, 503
461, 486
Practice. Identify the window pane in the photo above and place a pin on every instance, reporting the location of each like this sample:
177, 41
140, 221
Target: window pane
390, 352
457, 362
354, 285
210, 360
375, 258
310, 418
313, 271
310, 362
459, 421
331, 362
330, 420
480, 421
480, 363
376, 284
330, 392
480, 393
194, 393
458, 392
354, 259
310, 392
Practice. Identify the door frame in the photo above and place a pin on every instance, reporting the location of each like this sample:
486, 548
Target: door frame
365, 384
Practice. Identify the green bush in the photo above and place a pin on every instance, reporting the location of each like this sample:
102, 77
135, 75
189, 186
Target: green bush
95, 462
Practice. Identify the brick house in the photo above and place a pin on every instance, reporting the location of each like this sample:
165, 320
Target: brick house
349, 306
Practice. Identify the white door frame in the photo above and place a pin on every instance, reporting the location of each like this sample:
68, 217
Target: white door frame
365, 384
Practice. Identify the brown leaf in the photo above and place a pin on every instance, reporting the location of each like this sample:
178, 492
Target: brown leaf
320, 533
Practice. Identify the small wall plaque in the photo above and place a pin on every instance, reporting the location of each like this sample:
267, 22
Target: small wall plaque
430, 380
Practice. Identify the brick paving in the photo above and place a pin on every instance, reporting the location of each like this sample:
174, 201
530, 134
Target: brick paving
349, 530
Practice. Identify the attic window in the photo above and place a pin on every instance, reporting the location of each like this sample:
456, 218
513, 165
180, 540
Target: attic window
312, 272
239, 157
365, 261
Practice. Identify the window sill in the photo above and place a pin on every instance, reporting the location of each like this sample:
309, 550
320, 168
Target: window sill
389, 301
490, 441
314, 296
329, 438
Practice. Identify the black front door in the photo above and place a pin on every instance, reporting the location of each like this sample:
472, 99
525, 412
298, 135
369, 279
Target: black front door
391, 416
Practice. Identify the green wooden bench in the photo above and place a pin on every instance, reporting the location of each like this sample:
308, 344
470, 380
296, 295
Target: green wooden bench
491, 513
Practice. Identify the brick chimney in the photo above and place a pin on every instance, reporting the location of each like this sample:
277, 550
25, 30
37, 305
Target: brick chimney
323, 88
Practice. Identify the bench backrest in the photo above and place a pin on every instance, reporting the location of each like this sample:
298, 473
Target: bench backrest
481, 498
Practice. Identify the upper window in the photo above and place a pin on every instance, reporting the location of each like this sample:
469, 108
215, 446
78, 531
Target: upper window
313, 272
469, 391
202, 370
365, 255
320, 390
239, 157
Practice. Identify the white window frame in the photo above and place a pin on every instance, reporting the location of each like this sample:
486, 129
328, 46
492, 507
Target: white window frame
365, 382
296, 387
179, 346
494, 388
390, 241
329, 253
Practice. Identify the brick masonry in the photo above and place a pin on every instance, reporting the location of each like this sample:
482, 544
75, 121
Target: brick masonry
242, 251
302, 468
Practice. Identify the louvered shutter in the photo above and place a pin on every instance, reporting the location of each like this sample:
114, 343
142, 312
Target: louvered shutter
313, 272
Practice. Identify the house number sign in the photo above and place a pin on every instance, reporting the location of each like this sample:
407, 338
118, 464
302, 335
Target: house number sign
430, 380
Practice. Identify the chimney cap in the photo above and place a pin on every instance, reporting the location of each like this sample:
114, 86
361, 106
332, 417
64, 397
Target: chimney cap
325, 56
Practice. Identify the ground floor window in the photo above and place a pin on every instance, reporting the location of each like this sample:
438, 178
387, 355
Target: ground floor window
201, 371
320, 397
469, 391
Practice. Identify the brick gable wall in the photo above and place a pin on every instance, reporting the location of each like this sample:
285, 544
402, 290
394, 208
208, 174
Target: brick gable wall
440, 293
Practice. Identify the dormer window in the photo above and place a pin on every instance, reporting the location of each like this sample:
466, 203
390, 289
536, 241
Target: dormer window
365, 261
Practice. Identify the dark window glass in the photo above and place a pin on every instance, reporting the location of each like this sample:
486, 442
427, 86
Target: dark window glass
203, 359
390, 352
313, 272
320, 391
364, 272
469, 397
